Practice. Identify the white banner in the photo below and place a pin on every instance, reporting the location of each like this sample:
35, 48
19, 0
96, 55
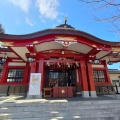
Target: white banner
35, 84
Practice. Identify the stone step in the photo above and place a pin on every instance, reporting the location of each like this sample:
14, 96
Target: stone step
69, 118
63, 113
78, 103
35, 116
36, 109
58, 108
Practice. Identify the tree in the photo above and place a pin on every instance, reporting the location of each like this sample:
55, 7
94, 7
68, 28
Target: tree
111, 9
2, 29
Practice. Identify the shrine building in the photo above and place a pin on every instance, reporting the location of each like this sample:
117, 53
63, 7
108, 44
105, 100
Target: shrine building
70, 62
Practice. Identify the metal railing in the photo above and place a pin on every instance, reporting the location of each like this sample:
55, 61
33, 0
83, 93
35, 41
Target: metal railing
117, 89
99, 89
106, 90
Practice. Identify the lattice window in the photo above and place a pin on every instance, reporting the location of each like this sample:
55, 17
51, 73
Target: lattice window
15, 75
99, 75
62, 77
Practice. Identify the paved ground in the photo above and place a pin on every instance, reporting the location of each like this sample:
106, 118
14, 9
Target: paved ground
13, 98
105, 107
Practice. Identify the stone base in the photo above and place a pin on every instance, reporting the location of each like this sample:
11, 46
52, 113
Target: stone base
78, 93
3, 94
85, 94
34, 96
93, 94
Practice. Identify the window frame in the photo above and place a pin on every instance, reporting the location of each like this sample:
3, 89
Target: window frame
12, 77
99, 72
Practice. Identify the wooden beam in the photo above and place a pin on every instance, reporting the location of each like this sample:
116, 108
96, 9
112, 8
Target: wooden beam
61, 61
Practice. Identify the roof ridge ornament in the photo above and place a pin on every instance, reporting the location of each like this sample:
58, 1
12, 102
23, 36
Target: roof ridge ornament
66, 20
66, 40
65, 25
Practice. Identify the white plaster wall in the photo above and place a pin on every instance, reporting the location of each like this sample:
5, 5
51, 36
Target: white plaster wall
97, 66
16, 64
114, 76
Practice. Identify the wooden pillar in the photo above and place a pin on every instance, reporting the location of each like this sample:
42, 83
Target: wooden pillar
84, 82
4, 73
78, 81
27, 74
33, 67
32, 70
91, 80
107, 74
41, 70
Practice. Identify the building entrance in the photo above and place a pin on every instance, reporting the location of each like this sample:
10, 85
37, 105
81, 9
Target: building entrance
60, 77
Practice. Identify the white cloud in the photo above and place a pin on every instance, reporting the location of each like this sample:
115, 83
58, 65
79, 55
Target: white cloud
42, 19
28, 21
22, 4
48, 8
59, 20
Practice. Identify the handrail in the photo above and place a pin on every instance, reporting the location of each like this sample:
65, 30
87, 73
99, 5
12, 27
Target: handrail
108, 91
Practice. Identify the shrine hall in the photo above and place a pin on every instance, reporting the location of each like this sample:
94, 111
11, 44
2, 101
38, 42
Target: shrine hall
60, 62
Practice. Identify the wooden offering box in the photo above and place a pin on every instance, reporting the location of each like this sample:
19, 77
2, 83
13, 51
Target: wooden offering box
47, 92
62, 91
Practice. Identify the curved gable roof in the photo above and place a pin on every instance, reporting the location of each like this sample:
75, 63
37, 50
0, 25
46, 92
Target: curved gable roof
61, 29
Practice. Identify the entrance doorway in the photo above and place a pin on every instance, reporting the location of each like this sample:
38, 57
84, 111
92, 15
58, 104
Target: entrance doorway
60, 77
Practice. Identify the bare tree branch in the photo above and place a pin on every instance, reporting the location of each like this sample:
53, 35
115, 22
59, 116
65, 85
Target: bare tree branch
110, 19
110, 2
111, 8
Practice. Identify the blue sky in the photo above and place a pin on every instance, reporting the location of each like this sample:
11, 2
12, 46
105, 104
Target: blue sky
27, 16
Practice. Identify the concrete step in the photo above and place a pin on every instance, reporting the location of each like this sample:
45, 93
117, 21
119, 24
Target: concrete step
61, 113
55, 103
24, 107
36, 116
57, 108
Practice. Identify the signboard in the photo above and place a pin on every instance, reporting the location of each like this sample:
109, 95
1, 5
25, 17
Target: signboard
35, 84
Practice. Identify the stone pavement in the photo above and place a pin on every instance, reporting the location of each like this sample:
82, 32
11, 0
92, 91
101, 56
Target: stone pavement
101, 108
